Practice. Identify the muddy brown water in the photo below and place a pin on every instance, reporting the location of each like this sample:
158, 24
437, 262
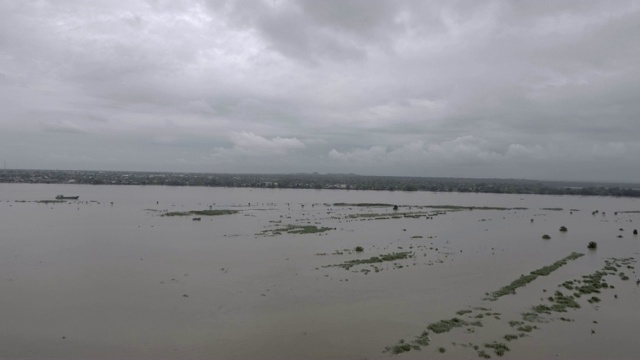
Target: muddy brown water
89, 279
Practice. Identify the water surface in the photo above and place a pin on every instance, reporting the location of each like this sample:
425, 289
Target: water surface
107, 277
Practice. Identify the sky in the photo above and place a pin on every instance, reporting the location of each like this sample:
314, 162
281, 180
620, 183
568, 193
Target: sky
541, 89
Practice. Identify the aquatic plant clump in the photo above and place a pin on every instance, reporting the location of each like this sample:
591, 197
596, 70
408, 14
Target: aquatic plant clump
498, 348
458, 207
444, 326
510, 337
201, 212
382, 216
363, 204
50, 201
399, 348
525, 279
374, 260
296, 229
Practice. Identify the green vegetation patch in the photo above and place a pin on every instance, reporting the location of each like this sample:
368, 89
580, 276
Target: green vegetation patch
510, 337
400, 347
296, 229
498, 348
458, 207
444, 326
559, 302
525, 279
396, 215
364, 204
201, 212
373, 260
462, 312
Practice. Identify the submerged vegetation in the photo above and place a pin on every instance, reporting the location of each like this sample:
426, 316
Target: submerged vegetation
525, 279
56, 201
201, 212
295, 229
558, 303
444, 326
373, 260
364, 204
498, 348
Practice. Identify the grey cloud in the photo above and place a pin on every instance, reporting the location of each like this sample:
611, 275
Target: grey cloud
460, 88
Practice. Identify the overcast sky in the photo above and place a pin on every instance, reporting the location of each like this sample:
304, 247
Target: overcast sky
510, 89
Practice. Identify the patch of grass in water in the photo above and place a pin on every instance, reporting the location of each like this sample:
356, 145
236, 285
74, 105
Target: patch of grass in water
459, 207
423, 339
532, 317
498, 348
398, 348
364, 204
525, 279
201, 212
373, 260
510, 337
396, 215
296, 229
444, 326
526, 328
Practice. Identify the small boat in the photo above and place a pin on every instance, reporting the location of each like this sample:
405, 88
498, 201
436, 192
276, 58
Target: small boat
62, 197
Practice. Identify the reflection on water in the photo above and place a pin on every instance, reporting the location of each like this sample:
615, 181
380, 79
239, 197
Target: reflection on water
108, 277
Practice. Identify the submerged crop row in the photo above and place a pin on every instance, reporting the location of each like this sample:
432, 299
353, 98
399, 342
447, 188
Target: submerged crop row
559, 302
525, 279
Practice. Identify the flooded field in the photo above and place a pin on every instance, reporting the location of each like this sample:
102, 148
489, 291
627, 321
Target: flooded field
133, 272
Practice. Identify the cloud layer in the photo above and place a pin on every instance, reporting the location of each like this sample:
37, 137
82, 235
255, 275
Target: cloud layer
542, 89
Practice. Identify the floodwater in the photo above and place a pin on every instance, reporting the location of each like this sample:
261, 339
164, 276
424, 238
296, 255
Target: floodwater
108, 277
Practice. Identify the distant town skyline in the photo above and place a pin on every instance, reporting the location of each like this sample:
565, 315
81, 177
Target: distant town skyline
541, 90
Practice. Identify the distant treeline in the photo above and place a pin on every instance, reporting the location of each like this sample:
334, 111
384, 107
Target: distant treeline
321, 181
